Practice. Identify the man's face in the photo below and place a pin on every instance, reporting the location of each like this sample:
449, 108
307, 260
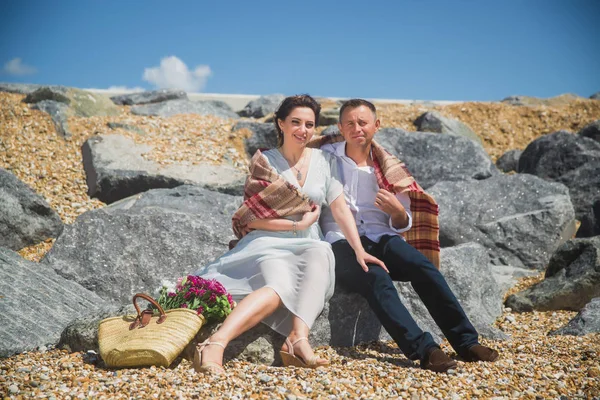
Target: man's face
358, 126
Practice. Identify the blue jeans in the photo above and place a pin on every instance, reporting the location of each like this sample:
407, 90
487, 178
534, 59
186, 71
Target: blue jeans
406, 264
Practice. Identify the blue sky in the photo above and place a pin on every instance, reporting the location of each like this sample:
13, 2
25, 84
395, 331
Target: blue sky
428, 50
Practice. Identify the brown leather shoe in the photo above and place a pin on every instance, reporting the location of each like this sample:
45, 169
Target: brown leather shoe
480, 353
437, 361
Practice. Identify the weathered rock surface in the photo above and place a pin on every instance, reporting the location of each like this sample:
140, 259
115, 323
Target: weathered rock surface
586, 321
329, 116
509, 161
330, 130
20, 88
127, 127
264, 136
572, 279
133, 245
25, 217
149, 97
115, 169
347, 319
59, 112
433, 121
573, 160
83, 103
520, 219
174, 107
262, 106
590, 223
591, 131
37, 304
595, 96
432, 157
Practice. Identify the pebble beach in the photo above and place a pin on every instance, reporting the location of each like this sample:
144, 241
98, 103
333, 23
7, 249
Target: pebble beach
532, 364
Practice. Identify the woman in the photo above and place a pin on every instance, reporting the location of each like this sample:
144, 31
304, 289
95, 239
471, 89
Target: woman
281, 269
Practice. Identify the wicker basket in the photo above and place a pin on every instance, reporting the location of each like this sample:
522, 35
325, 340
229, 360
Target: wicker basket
147, 339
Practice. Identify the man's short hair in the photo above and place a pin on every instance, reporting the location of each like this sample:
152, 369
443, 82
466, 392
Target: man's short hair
354, 103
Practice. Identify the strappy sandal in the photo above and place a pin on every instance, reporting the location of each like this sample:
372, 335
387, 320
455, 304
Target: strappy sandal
289, 359
209, 367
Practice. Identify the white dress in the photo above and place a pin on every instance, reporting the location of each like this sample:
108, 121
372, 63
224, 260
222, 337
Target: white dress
301, 268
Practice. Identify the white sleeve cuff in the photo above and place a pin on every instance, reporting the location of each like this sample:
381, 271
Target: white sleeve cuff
406, 228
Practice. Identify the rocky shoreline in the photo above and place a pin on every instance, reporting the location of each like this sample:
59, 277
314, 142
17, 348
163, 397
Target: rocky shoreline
533, 363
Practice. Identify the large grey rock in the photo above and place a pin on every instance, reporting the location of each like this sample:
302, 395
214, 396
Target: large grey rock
591, 131
509, 161
595, 96
329, 116
115, 169
264, 136
174, 107
586, 321
262, 106
572, 279
83, 103
37, 304
432, 157
590, 223
520, 219
571, 159
133, 245
347, 319
331, 130
20, 88
25, 217
149, 97
433, 121
59, 112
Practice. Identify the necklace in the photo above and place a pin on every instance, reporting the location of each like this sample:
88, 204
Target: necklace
299, 174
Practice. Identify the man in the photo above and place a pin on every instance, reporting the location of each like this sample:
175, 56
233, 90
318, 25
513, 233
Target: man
379, 192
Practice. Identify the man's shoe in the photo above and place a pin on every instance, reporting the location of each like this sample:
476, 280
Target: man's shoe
437, 361
480, 353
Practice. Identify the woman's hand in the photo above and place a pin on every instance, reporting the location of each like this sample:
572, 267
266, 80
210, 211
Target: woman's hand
309, 218
363, 258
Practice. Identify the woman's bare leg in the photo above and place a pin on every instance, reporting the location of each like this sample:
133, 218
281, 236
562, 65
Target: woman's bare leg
250, 311
302, 348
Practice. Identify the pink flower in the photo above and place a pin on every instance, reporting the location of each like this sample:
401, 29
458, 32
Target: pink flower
184, 305
171, 294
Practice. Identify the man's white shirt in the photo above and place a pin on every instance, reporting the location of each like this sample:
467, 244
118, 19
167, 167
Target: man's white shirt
360, 189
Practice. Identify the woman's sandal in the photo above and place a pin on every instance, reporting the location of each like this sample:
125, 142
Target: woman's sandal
289, 359
209, 367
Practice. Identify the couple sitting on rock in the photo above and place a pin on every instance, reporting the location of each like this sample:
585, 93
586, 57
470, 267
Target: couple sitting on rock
376, 226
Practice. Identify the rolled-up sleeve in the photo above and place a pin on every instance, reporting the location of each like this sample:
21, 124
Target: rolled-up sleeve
405, 201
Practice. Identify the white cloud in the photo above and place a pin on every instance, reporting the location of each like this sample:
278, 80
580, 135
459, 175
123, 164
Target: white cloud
16, 67
174, 74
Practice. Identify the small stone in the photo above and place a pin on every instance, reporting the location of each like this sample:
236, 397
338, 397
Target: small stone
13, 389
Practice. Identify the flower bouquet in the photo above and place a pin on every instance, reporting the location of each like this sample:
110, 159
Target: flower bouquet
207, 297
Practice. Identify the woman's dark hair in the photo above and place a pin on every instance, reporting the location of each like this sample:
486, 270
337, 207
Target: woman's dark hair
288, 105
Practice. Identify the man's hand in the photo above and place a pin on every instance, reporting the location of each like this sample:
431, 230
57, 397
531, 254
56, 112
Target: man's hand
363, 258
387, 202
309, 218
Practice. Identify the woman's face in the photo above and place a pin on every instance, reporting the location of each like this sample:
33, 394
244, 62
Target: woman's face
299, 126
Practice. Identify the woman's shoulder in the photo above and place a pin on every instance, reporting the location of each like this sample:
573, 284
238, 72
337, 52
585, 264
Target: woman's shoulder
323, 156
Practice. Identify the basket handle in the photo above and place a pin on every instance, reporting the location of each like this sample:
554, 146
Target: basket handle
143, 317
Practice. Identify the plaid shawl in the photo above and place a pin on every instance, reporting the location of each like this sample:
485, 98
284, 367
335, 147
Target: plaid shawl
393, 176
267, 195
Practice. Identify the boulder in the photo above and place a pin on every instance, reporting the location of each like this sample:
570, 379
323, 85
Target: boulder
571, 281
330, 130
37, 304
173, 107
262, 106
149, 97
595, 96
264, 136
25, 217
133, 245
591, 131
329, 116
573, 160
520, 219
115, 169
509, 161
83, 103
433, 121
20, 88
586, 321
347, 319
432, 157
590, 223
59, 112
